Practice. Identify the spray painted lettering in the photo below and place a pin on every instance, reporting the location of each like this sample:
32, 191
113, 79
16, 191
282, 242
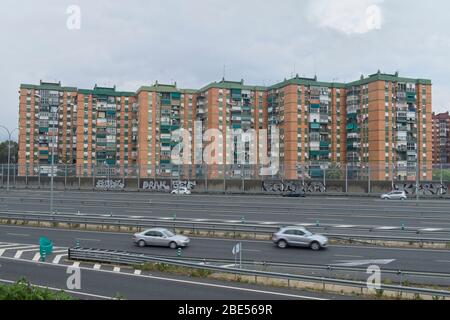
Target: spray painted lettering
103, 184
162, 185
279, 186
424, 189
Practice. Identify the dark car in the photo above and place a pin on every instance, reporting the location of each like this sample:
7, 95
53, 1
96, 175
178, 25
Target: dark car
295, 194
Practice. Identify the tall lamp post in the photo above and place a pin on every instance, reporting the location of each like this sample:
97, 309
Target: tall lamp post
55, 112
10, 133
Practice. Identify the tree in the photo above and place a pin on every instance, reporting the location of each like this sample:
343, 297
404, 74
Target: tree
4, 152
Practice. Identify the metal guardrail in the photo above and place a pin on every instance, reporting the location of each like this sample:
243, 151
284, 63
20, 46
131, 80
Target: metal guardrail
235, 228
255, 263
132, 259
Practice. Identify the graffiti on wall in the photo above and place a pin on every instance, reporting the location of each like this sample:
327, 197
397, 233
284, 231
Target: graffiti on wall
425, 189
280, 186
104, 184
163, 185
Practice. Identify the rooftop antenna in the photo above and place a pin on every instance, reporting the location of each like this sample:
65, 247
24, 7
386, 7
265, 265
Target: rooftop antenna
224, 71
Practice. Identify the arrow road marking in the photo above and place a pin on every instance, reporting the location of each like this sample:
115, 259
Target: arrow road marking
356, 263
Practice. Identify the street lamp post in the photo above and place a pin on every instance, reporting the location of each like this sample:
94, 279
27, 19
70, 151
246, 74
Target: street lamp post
9, 151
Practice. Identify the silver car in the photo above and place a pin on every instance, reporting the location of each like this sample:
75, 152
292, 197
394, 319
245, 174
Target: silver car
299, 237
395, 195
160, 237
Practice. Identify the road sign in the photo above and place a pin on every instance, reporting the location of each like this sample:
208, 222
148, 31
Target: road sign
237, 248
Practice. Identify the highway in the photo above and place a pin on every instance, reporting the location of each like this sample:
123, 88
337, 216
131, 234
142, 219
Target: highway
108, 284
427, 214
18, 243
402, 259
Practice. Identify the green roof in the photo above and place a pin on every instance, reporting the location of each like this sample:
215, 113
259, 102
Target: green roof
307, 82
224, 84
387, 77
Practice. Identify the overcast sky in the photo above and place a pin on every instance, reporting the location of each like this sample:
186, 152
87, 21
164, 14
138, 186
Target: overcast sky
133, 43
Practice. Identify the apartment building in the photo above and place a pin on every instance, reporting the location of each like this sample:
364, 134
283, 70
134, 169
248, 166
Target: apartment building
310, 117
379, 126
389, 127
163, 109
441, 138
90, 128
231, 108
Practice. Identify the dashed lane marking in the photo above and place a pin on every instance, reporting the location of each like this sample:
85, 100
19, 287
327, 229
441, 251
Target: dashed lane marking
97, 266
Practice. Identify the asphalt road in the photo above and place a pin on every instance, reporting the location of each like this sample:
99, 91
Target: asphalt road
339, 215
340, 211
402, 259
104, 284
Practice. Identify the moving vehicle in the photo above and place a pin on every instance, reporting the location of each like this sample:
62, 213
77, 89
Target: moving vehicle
181, 190
160, 237
299, 237
395, 195
295, 194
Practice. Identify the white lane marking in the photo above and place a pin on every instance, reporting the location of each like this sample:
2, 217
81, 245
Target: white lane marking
387, 228
116, 269
97, 266
228, 265
20, 252
190, 282
68, 291
233, 221
36, 257
269, 223
137, 272
76, 264
347, 256
443, 261
345, 226
92, 240
18, 234
58, 258
251, 250
431, 229
9, 245
306, 224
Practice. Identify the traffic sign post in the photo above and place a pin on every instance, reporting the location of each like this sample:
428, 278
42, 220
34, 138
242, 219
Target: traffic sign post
237, 249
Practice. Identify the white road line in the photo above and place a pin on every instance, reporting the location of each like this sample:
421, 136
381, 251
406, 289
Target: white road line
347, 256
58, 258
9, 245
204, 284
37, 256
116, 269
431, 229
137, 272
97, 266
20, 252
306, 224
269, 223
76, 264
18, 234
92, 240
251, 250
228, 265
386, 228
67, 291
345, 226
443, 261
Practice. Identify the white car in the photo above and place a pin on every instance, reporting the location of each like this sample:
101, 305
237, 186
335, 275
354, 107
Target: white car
182, 190
395, 195
299, 237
